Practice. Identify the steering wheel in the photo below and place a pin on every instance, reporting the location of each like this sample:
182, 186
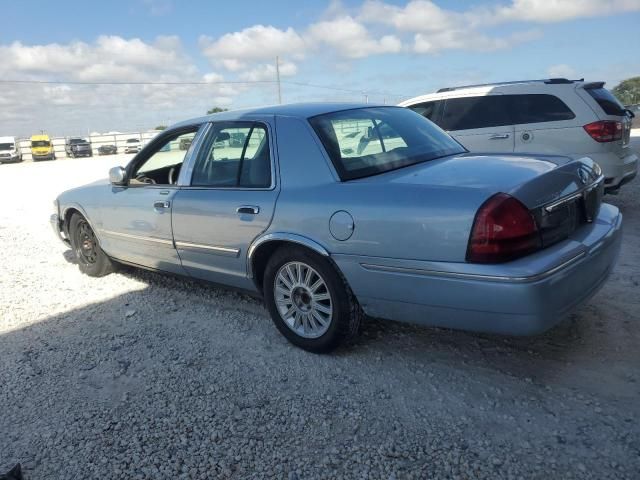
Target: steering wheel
172, 172
143, 179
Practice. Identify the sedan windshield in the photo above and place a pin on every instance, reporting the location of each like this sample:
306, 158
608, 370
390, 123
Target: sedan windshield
369, 141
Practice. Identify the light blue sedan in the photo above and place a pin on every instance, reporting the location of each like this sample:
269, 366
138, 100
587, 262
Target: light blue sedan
336, 211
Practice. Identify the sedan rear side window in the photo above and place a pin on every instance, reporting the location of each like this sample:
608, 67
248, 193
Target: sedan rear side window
369, 141
237, 155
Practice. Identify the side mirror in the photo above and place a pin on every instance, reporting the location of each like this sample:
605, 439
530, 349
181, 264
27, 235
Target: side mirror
118, 176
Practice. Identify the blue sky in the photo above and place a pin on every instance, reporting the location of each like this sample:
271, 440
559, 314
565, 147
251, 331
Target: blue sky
387, 50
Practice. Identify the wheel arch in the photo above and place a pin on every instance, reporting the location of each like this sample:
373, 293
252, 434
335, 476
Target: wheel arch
261, 250
68, 212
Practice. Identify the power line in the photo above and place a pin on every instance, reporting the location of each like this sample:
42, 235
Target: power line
202, 83
73, 82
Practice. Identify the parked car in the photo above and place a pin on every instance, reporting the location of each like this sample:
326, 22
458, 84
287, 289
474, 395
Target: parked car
77, 147
42, 148
185, 143
132, 145
9, 150
236, 140
635, 112
411, 228
107, 150
554, 116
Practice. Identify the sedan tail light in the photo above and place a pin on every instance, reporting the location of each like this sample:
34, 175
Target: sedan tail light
604, 130
504, 229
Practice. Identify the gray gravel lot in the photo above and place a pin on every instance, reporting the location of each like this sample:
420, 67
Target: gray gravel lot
139, 375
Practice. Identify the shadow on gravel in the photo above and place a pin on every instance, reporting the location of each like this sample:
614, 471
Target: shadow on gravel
182, 362
594, 348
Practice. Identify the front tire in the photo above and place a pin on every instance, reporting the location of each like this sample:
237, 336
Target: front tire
91, 258
309, 301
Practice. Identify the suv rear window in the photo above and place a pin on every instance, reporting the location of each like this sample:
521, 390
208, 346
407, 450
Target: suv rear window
369, 141
607, 101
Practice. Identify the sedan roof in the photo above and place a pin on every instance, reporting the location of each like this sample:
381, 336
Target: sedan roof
300, 110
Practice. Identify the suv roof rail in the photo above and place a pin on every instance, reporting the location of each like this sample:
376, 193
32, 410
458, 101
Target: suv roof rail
545, 80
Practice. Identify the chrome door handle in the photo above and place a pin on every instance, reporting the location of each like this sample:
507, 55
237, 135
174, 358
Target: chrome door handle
161, 204
499, 136
248, 209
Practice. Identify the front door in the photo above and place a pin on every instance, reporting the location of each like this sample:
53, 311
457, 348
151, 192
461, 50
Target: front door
228, 202
137, 226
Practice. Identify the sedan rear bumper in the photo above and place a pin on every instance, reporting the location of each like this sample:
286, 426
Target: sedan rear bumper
523, 297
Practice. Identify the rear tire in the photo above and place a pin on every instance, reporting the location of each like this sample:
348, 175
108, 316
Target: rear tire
91, 258
309, 301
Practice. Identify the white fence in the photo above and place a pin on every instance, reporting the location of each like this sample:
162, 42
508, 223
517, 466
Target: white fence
96, 141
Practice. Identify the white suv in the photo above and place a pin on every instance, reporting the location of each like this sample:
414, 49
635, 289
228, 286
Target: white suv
555, 116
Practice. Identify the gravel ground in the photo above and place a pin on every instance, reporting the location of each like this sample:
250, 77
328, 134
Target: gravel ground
139, 375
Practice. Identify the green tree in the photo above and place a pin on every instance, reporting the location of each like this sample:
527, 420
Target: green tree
628, 91
216, 110
161, 127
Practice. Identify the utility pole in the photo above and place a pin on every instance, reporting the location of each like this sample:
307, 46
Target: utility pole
278, 80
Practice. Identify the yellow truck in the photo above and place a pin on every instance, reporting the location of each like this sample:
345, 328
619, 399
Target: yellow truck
42, 148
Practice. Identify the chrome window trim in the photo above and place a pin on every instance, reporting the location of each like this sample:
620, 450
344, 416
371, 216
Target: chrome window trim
184, 179
272, 159
140, 238
473, 276
233, 252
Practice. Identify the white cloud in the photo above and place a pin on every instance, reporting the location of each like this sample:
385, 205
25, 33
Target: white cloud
562, 10
437, 28
468, 40
349, 38
561, 71
415, 16
108, 59
258, 42
159, 7
267, 72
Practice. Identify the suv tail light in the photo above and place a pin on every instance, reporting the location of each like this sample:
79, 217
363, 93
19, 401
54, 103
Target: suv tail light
604, 130
504, 229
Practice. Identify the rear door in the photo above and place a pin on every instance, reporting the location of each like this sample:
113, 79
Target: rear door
481, 123
544, 124
229, 200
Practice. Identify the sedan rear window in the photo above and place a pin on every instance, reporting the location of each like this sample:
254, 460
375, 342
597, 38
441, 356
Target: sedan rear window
370, 141
607, 101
